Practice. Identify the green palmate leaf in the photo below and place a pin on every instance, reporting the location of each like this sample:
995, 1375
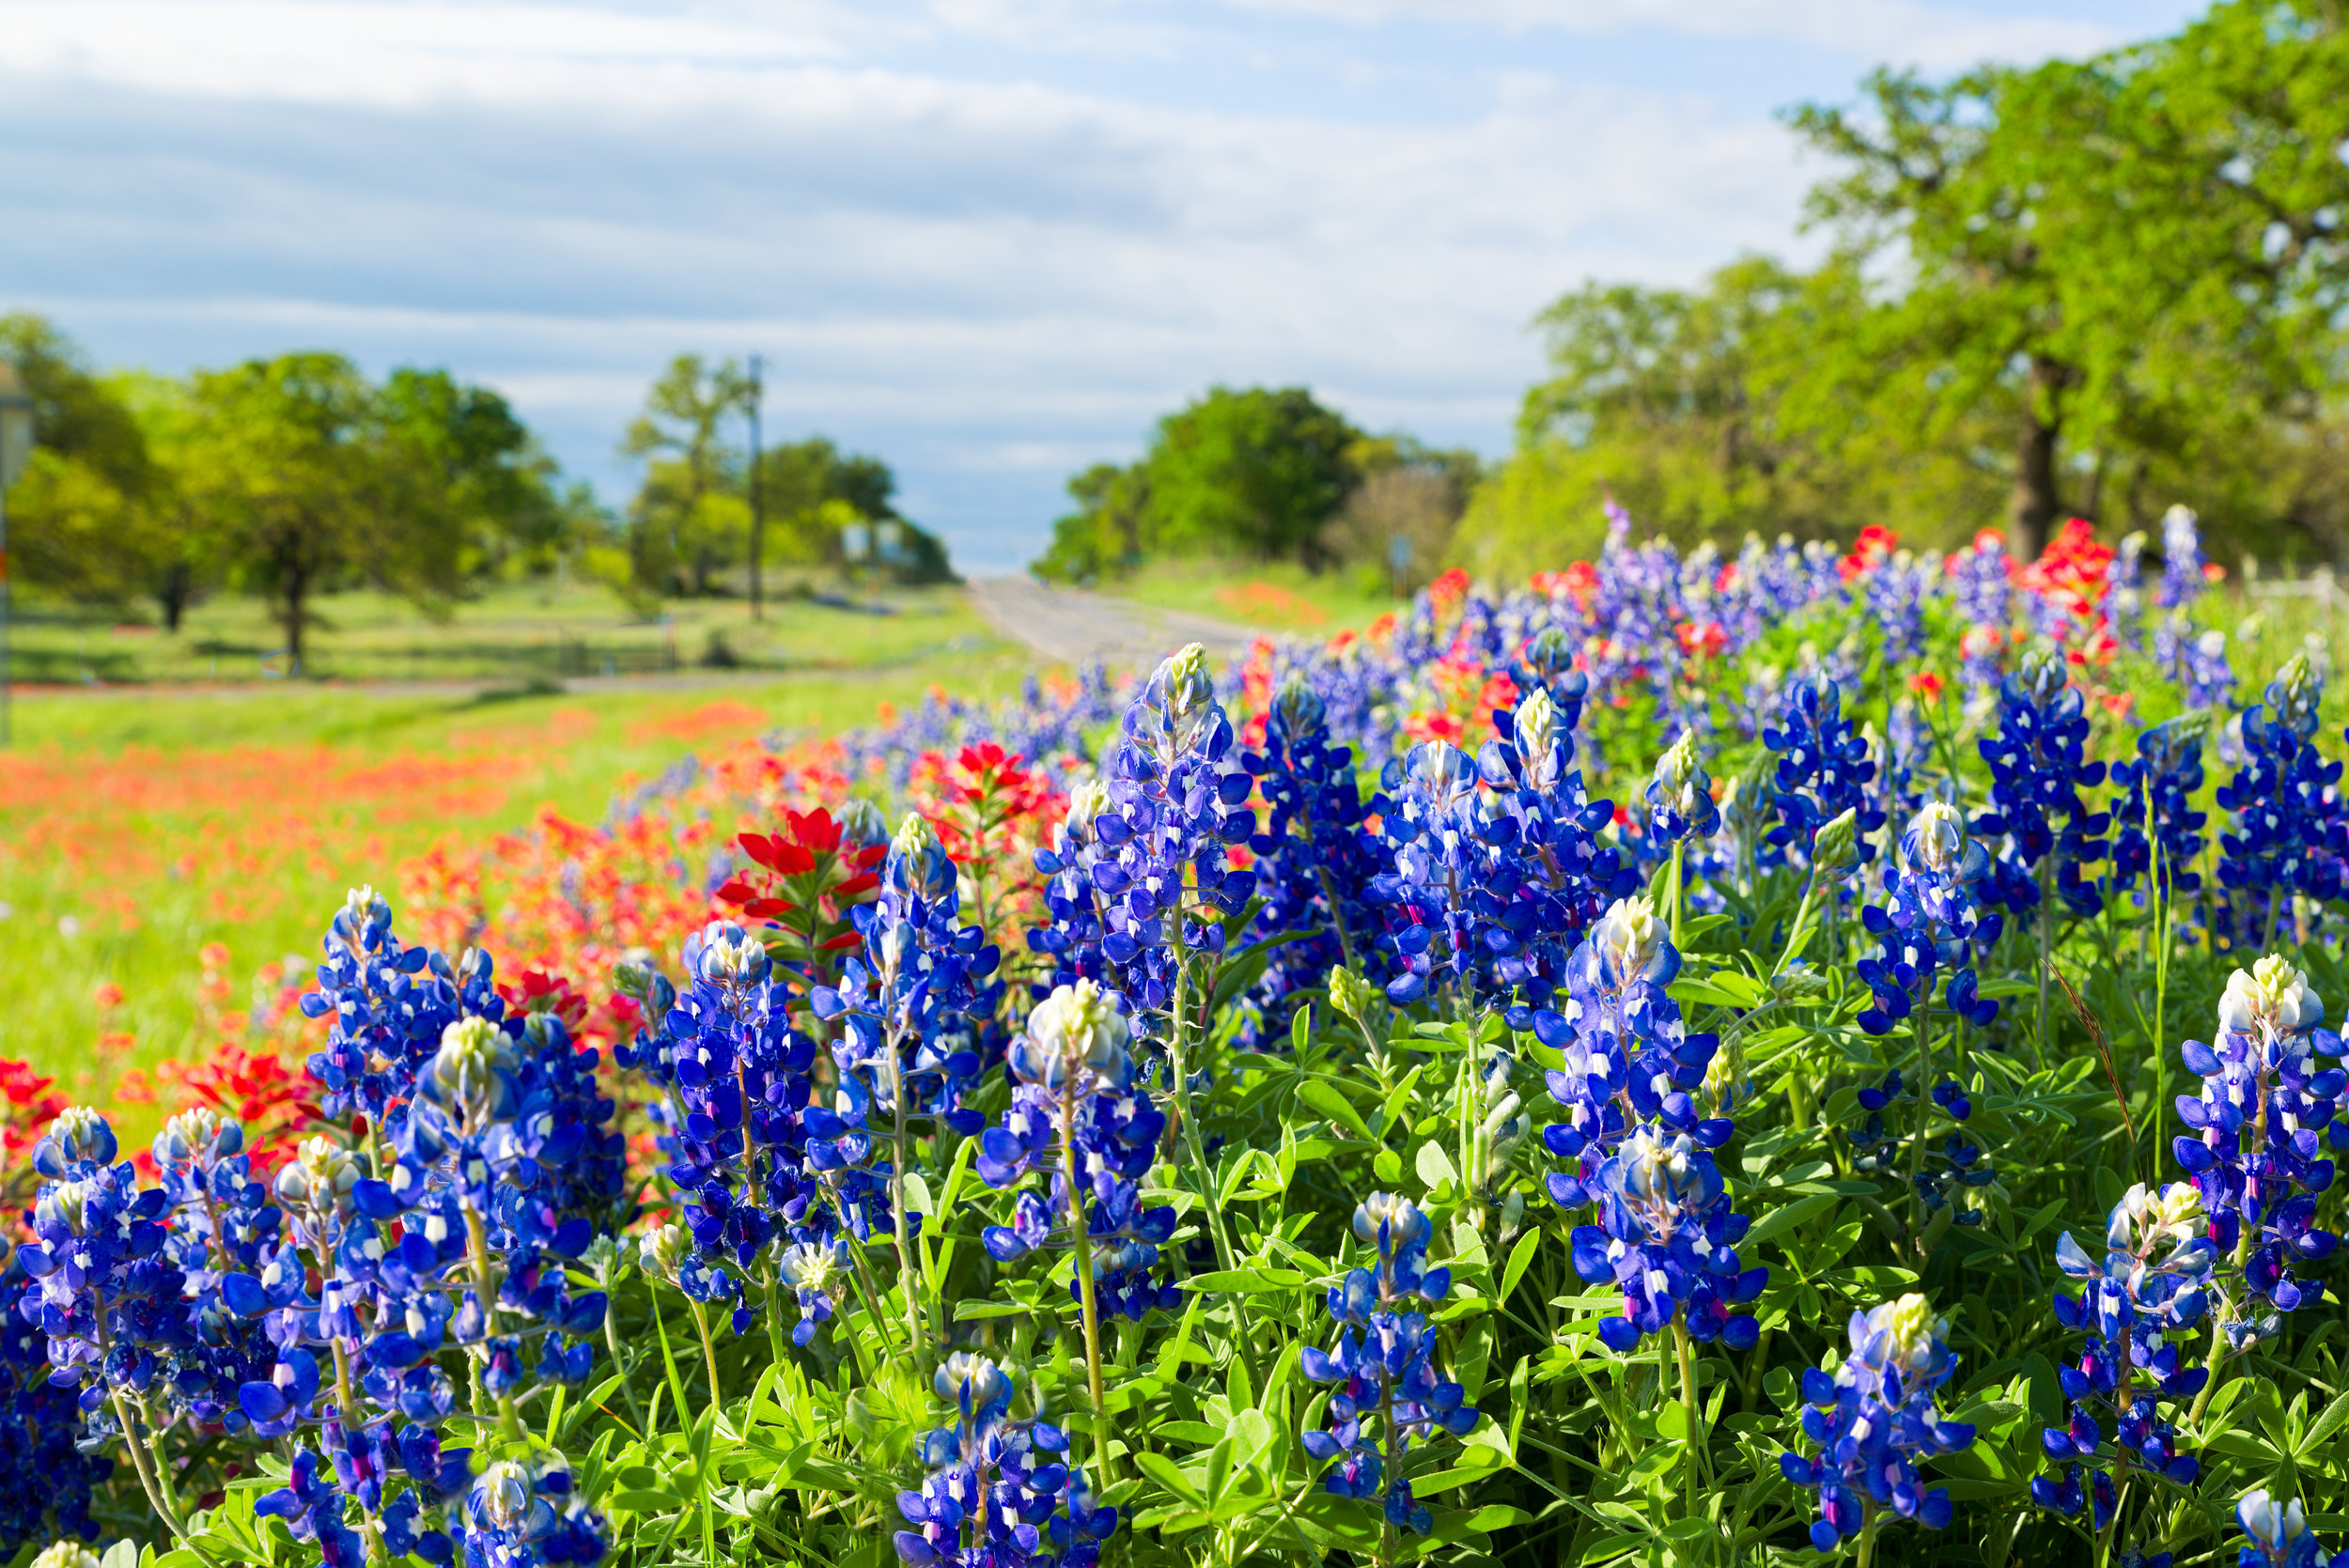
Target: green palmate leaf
1434, 1167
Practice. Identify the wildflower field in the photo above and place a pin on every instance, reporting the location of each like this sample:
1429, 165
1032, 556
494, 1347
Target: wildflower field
1624, 1070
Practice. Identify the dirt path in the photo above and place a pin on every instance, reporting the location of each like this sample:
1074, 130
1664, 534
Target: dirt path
1070, 625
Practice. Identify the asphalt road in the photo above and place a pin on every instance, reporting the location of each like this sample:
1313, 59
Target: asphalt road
1070, 625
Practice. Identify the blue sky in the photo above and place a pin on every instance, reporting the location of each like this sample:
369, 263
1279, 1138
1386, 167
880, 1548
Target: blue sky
990, 240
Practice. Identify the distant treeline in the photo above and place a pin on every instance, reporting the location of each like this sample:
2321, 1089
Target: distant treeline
2091, 288
296, 476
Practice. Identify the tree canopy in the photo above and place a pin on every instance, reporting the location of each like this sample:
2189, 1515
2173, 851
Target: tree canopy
2092, 287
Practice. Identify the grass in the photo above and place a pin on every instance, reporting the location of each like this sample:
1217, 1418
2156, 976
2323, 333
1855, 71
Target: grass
135, 828
1276, 597
514, 632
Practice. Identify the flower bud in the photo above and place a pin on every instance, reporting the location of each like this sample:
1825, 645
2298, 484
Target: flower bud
862, 825
1631, 945
65, 1206
1909, 1328
505, 1494
322, 1176
1404, 1223
80, 1133
1359, 1000
664, 1250
471, 1071
1536, 728
2271, 1000
1297, 712
1935, 840
1836, 845
198, 1133
967, 1370
730, 955
2273, 1525
1086, 801
1076, 1028
66, 1554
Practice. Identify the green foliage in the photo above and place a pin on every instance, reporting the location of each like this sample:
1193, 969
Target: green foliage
693, 517
1255, 475
2096, 288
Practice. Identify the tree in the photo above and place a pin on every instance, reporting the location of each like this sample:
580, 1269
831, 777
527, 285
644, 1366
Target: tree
87, 520
1708, 412
465, 476
280, 460
2127, 255
687, 516
1256, 473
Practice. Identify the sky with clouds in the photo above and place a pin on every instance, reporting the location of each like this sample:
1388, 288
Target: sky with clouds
990, 240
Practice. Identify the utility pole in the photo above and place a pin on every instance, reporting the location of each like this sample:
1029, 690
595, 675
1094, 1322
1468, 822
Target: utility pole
758, 492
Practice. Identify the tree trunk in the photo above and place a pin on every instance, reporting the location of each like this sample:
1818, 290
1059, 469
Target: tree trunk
293, 585
2031, 508
172, 593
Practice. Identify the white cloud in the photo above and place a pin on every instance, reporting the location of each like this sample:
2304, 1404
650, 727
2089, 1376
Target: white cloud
989, 270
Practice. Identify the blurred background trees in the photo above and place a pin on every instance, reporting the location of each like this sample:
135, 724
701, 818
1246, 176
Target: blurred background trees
296, 477
2091, 288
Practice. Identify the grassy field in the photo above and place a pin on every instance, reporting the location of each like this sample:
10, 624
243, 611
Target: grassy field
512, 632
138, 827
1277, 597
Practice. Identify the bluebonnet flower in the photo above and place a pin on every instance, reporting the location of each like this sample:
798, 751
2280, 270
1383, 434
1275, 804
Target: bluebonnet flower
1547, 878
523, 1513
1895, 596
2037, 769
390, 1004
1823, 769
1444, 839
1981, 579
2152, 1284
907, 998
2196, 659
2160, 783
1668, 1238
1080, 1113
1932, 921
2285, 800
1875, 1420
2277, 1534
1680, 796
1383, 1364
998, 1493
1629, 1059
2182, 559
1317, 861
103, 1290
1146, 878
818, 1275
734, 1110
2255, 1133
46, 1481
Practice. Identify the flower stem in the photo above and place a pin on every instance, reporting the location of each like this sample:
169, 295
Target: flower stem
709, 1349
1693, 1442
346, 1408
1680, 851
1918, 1026
1867, 1535
627, 1389
2046, 955
1088, 1301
